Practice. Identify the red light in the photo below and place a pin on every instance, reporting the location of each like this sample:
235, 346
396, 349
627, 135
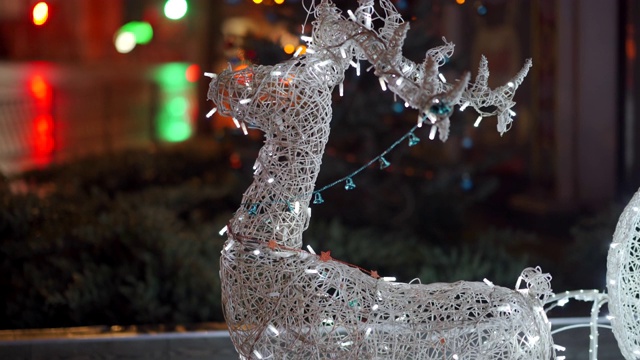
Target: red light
192, 73
43, 139
235, 161
40, 13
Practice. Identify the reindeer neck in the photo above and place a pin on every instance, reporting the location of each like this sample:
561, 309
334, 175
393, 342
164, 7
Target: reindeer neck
276, 204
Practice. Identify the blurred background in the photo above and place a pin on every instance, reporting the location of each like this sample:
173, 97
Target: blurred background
114, 183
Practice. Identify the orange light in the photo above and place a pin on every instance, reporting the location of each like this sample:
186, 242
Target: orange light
39, 87
278, 1
289, 49
257, 1
40, 13
192, 73
460, 2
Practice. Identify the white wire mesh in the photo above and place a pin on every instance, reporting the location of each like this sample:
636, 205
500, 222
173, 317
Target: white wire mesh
623, 280
281, 302
289, 304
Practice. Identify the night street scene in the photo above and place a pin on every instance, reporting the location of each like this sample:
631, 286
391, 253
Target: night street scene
319, 179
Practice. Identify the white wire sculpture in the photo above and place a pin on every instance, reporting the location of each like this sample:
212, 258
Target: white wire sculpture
282, 302
623, 289
623, 280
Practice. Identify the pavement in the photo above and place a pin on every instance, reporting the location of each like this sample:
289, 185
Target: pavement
92, 343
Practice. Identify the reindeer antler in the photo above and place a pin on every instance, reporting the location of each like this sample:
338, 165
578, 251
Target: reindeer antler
421, 86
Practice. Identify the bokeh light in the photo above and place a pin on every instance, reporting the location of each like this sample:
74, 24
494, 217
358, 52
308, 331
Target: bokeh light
175, 9
125, 41
40, 13
289, 49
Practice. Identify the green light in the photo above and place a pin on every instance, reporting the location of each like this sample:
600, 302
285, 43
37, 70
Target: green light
174, 129
177, 106
142, 31
174, 118
172, 76
175, 9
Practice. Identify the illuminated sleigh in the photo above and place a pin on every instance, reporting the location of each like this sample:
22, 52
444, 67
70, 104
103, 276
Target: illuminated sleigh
281, 302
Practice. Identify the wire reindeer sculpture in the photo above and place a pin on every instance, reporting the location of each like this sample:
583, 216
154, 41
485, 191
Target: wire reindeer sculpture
282, 302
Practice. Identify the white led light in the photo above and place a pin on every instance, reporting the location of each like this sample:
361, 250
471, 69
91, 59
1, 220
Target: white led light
244, 129
432, 132
245, 101
256, 252
276, 73
273, 330
464, 106
341, 89
270, 180
351, 15
211, 112
236, 122
489, 283
559, 347
209, 75
389, 278
383, 85
311, 271
307, 39
257, 354
229, 245
223, 230
311, 249
477, 123
442, 78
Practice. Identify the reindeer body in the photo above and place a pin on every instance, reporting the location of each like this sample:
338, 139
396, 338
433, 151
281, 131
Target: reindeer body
281, 302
